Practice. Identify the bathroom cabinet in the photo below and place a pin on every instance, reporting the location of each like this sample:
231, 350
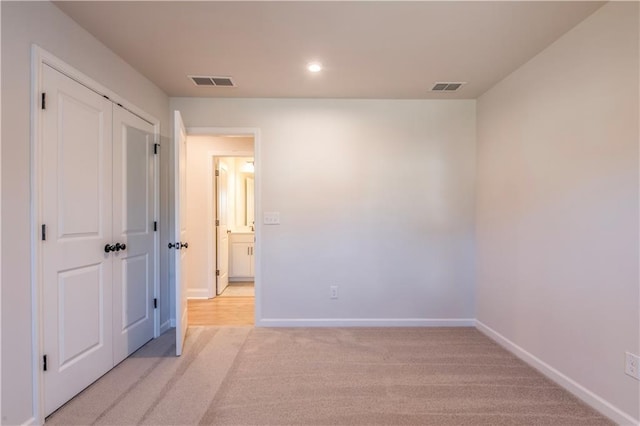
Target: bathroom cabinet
241, 256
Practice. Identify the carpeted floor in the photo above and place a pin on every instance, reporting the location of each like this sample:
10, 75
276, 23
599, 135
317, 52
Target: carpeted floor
326, 376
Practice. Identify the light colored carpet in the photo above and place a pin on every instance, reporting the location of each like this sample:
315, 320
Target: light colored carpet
239, 289
154, 387
326, 376
425, 376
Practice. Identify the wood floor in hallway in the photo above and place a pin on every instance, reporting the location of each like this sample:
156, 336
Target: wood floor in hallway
222, 311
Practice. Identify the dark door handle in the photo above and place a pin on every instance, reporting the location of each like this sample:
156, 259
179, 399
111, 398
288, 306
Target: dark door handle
176, 245
109, 247
119, 246
184, 245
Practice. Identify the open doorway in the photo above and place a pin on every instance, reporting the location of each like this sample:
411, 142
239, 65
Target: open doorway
221, 221
234, 234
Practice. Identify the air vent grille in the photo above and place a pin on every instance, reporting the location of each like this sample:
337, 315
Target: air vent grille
212, 81
447, 86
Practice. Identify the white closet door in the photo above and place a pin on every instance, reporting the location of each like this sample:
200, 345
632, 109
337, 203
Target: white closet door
76, 169
133, 216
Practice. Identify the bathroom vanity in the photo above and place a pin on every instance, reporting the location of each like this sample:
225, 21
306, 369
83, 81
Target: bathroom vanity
241, 259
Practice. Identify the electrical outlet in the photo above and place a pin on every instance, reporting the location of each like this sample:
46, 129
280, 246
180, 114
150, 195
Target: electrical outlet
632, 365
333, 292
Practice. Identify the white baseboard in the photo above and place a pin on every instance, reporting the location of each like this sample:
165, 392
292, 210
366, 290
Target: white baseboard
31, 422
367, 322
165, 326
197, 293
590, 398
173, 323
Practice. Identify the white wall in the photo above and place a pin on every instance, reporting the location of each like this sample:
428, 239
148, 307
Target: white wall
376, 197
557, 207
199, 162
24, 23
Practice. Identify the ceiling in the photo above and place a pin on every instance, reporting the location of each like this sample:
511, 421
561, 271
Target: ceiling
377, 49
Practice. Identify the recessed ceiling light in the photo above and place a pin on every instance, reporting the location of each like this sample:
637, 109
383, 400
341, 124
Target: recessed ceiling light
314, 67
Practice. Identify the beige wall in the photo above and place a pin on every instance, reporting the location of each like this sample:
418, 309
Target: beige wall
199, 162
376, 197
24, 23
557, 207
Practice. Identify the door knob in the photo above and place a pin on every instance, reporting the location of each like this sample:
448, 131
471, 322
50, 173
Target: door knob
176, 245
119, 246
184, 245
109, 247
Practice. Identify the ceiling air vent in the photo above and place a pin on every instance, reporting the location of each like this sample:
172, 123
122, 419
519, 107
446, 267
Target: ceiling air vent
447, 86
209, 81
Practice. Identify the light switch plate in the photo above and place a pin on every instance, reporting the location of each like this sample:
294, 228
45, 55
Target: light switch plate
271, 218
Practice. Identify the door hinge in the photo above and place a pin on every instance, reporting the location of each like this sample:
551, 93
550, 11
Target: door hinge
156, 147
217, 172
44, 363
155, 303
44, 100
44, 232
155, 226
217, 272
217, 222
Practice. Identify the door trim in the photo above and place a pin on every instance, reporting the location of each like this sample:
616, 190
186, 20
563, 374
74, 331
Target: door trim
236, 131
40, 58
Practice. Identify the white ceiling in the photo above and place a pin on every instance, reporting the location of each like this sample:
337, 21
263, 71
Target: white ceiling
369, 49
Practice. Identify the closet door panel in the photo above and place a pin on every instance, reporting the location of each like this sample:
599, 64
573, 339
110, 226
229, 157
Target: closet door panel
76, 272
133, 216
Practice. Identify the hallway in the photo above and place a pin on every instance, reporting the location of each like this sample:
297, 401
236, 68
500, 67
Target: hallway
234, 307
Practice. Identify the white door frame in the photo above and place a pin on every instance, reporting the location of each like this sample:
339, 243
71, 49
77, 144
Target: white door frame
211, 211
39, 58
234, 131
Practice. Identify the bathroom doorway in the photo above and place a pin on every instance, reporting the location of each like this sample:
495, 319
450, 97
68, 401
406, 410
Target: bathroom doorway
234, 226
